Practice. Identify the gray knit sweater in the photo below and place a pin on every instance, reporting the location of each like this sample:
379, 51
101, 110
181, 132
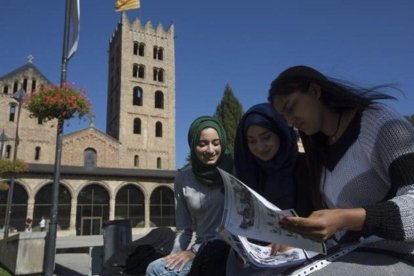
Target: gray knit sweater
197, 207
377, 173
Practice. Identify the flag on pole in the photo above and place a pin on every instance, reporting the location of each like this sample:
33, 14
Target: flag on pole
122, 5
74, 18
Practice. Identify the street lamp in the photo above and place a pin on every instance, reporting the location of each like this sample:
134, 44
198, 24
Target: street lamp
3, 139
19, 96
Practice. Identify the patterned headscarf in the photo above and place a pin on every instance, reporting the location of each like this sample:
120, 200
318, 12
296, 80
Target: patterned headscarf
273, 179
208, 174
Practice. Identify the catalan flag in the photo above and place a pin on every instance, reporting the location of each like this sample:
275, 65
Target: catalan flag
122, 5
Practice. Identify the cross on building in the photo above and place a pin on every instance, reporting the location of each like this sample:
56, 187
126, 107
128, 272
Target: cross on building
30, 58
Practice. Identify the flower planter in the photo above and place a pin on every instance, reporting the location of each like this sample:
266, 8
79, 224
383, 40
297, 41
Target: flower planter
58, 102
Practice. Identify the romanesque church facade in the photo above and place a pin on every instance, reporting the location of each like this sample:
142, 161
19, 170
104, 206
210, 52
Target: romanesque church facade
126, 172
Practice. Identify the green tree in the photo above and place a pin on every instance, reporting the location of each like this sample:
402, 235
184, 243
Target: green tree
410, 119
229, 111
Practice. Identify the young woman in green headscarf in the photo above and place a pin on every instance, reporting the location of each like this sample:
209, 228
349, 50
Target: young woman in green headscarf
199, 196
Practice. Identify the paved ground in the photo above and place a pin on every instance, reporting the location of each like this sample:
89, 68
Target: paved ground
72, 264
72, 258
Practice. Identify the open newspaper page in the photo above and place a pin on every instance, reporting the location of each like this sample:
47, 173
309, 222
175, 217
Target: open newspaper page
260, 256
248, 214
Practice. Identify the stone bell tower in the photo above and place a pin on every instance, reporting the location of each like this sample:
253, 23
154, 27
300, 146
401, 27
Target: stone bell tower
141, 94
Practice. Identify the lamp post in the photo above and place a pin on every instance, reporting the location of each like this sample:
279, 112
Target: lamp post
3, 139
50, 246
19, 96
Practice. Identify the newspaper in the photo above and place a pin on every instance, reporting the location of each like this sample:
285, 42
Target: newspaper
248, 215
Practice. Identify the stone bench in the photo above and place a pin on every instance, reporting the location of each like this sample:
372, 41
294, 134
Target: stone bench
23, 253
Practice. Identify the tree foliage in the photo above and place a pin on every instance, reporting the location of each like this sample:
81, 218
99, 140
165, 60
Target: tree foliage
229, 111
7, 167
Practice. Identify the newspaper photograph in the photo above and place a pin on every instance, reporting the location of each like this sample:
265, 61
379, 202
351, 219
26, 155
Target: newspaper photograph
248, 214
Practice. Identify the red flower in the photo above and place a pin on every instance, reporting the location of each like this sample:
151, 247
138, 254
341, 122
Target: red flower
54, 102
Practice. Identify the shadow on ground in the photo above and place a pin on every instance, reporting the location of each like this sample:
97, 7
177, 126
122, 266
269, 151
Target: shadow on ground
61, 270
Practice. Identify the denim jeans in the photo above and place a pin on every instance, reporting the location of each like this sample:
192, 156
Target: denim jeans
157, 268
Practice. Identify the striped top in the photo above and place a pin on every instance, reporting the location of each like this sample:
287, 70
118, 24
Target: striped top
376, 172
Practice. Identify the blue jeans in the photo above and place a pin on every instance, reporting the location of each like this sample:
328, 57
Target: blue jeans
157, 268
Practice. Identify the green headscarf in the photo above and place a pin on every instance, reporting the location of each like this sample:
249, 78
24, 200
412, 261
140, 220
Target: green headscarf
208, 174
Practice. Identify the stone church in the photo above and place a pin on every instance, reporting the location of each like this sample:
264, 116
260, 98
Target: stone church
126, 172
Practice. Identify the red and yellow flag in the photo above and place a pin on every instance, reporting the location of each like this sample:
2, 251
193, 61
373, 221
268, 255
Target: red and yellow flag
123, 5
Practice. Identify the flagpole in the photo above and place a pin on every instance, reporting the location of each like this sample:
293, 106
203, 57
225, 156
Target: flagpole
50, 248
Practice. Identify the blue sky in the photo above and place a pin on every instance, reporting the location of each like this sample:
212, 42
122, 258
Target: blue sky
243, 43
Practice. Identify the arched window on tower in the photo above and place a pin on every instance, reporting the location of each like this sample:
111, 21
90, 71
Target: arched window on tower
135, 51
159, 163
137, 96
155, 74
155, 52
141, 71
161, 75
158, 129
141, 49
136, 161
37, 153
90, 158
158, 74
159, 99
138, 71
160, 53
135, 70
137, 126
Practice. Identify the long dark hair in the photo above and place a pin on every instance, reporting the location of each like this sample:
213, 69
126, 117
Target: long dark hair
336, 95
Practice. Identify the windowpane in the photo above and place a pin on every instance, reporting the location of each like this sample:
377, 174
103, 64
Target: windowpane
93, 206
18, 207
162, 211
137, 98
130, 204
12, 113
90, 158
43, 204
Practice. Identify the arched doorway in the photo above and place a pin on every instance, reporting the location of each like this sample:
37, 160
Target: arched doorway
162, 211
92, 210
18, 207
130, 204
43, 205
